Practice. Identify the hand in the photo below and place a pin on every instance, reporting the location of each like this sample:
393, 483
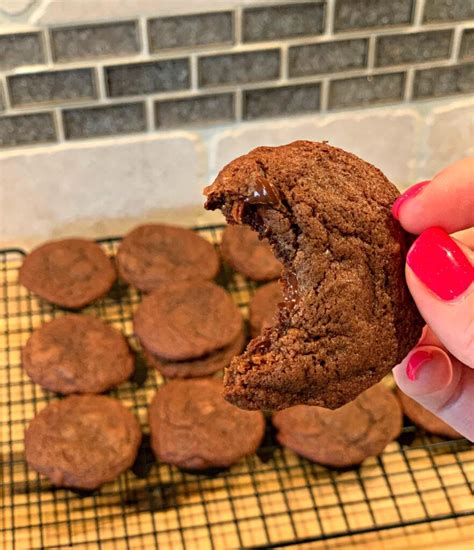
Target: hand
439, 371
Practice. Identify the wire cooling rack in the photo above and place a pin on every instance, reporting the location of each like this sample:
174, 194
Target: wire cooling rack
271, 499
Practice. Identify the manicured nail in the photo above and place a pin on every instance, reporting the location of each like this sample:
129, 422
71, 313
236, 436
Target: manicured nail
440, 264
416, 360
409, 194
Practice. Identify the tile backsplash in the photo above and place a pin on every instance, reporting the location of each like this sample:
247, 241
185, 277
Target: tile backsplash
249, 61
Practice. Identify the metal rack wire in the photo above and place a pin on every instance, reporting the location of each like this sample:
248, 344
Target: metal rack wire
271, 499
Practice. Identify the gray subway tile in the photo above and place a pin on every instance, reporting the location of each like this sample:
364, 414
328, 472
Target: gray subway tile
147, 78
195, 111
239, 68
191, 30
104, 121
287, 100
21, 49
412, 48
444, 81
283, 21
46, 87
27, 129
328, 57
363, 14
448, 10
467, 44
95, 41
366, 90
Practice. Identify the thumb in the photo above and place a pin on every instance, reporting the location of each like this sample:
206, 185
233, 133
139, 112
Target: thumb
440, 277
440, 383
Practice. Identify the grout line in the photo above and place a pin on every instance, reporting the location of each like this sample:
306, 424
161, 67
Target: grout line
58, 122
143, 36
48, 48
150, 114
239, 105
237, 21
418, 16
6, 95
100, 82
285, 63
324, 95
193, 66
409, 81
456, 43
371, 53
329, 18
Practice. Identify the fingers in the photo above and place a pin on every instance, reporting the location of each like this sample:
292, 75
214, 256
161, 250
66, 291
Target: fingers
440, 383
446, 201
440, 276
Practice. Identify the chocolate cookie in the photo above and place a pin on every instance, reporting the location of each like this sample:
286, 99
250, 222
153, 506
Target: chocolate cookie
193, 427
242, 249
264, 306
82, 441
70, 273
343, 437
203, 366
425, 419
348, 316
154, 254
187, 320
77, 354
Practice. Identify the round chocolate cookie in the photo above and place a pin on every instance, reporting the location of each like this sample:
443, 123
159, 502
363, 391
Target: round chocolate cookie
203, 366
77, 354
193, 427
347, 317
154, 254
425, 419
70, 273
242, 249
342, 437
187, 320
263, 307
82, 441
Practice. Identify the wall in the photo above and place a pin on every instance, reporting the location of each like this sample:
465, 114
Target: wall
117, 111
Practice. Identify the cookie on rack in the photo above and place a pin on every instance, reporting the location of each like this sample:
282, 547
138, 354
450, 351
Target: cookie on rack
193, 427
263, 307
77, 354
187, 320
82, 441
70, 273
202, 366
342, 437
425, 419
154, 254
245, 252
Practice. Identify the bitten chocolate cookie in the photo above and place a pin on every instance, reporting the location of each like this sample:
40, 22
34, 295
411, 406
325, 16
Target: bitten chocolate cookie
82, 441
187, 320
242, 249
70, 273
264, 306
348, 316
425, 419
194, 368
193, 427
77, 354
154, 254
343, 437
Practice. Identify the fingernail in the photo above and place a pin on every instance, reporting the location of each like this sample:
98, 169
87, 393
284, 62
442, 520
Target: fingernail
440, 264
429, 369
409, 194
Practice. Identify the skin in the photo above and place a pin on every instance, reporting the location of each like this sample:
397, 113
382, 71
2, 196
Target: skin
445, 383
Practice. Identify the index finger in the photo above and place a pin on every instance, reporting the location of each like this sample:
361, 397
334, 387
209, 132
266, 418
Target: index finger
447, 201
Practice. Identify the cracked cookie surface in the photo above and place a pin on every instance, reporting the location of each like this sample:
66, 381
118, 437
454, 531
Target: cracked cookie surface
348, 316
346, 436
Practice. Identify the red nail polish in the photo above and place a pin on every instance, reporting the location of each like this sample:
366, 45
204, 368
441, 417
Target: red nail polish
440, 264
409, 194
417, 359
